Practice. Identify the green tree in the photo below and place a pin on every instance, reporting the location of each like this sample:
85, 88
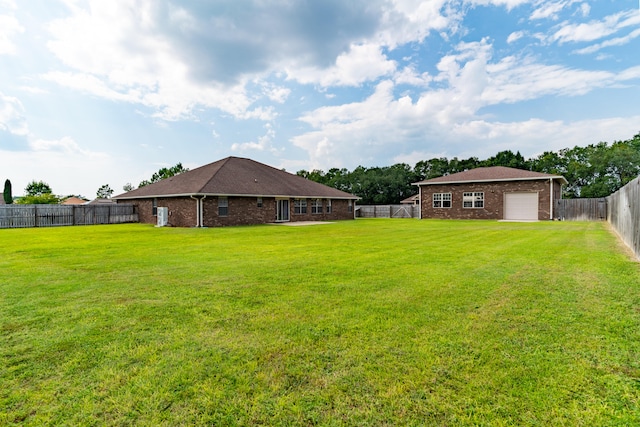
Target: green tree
104, 192
41, 199
164, 173
622, 162
128, 187
549, 162
37, 188
38, 193
428, 169
339, 178
8, 197
509, 159
456, 165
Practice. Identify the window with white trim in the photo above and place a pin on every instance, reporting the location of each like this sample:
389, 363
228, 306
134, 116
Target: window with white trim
328, 205
473, 200
441, 200
259, 202
223, 206
300, 206
154, 207
350, 206
316, 206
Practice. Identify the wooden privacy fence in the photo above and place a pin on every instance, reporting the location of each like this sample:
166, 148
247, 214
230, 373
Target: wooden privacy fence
623, 213
581, 209
26, 216
388, 211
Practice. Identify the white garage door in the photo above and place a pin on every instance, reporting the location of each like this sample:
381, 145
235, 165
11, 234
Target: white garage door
521, 206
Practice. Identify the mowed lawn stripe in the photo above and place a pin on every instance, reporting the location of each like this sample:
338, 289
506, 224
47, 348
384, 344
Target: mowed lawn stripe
367, 322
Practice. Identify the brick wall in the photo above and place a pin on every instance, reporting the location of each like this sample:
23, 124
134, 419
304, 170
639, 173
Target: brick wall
182, 210
245, 211
241, 211
493, 199
339, 211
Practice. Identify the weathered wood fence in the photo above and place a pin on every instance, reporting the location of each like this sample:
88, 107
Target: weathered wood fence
388, 211
623, 213
581, 209
25, 216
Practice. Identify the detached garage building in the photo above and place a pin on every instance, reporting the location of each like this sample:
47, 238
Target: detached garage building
496, 192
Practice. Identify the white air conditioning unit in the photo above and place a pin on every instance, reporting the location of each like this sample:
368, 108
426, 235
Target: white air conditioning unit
163, 216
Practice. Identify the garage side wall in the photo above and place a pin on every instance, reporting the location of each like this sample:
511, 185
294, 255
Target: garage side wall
493, 199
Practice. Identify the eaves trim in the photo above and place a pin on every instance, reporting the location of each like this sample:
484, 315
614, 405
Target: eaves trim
467, 181
288, 196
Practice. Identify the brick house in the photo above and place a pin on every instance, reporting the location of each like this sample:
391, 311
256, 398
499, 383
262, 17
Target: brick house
238, 191
412, 200
491, 193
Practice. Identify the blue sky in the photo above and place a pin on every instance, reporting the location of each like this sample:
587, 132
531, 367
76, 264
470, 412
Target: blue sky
95, 92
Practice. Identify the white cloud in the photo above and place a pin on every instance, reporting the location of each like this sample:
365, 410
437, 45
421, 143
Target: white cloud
261, 113
9, 28
64, 145
515, 36
343, 131
508, 4
617, 41
585, 32
410, 76
91, 84
170, 59
12, 116
492, 137
154, 45
417, 155
585, 9
446, 115
8, 4
361, 64
512, 80
121, 56
344, 138
405, 21
632, 73
62, 163
550, 10
275, 93
264, 143
67, 172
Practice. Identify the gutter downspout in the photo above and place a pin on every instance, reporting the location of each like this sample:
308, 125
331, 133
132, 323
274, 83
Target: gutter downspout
202, 210
420, 201
197, 210
551, 200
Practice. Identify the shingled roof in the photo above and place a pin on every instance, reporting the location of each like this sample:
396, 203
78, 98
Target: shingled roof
236, 176
491, 174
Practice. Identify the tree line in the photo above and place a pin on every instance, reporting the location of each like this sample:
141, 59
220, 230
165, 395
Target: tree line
596, 170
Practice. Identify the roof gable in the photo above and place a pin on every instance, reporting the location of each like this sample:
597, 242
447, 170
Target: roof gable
235, 176
491, 174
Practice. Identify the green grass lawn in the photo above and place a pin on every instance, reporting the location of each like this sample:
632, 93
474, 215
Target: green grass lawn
367, 322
